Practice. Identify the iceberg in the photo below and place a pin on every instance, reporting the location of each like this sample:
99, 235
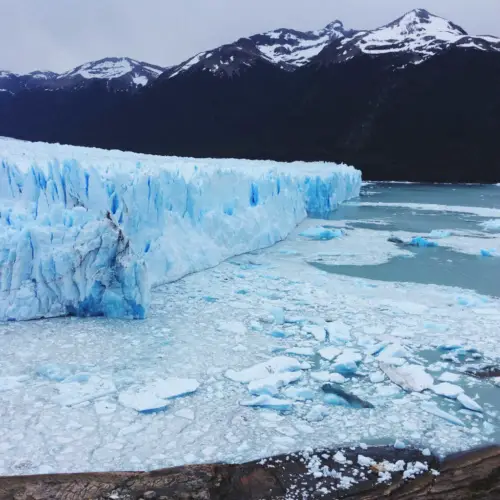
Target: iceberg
88, 232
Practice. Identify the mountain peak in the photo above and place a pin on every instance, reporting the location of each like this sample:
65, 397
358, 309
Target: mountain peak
420, 20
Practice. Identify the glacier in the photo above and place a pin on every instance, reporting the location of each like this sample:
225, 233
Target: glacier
88, 232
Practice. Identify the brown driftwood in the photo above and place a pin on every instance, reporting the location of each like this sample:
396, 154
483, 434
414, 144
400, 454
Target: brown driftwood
473, 475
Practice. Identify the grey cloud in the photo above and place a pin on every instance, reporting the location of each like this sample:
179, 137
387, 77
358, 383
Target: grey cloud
61, 34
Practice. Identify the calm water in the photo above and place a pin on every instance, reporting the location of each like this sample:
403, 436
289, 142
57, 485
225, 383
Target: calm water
440, 266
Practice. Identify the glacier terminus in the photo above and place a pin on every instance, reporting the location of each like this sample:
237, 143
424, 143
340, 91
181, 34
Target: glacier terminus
88, 232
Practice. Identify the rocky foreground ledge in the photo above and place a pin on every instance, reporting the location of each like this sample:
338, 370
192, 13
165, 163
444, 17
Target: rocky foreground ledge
364, 474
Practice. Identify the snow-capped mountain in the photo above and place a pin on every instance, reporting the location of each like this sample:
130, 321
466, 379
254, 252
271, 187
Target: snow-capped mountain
123, 73
418, 35
131, 72
285, 48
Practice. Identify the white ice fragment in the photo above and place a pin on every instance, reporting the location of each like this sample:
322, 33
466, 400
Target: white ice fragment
409, 377
338, 331
426, 452
318, 332
347, 362
299, 393
365, 461
104, 407
321, 376
9, 383
434, 410
376, 377
468, 402
447, 390
142, 401
279, 364
186, 413
329, 353
399, 445
339, 457
273, 383
266, 401
236, 327
173, 387
73, 393
317, 413
449, 377
337, 378
301, 351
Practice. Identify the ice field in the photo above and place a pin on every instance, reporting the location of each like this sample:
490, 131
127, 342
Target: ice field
276, 350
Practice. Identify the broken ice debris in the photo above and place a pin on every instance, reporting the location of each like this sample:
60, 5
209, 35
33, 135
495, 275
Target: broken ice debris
318, 332
338, 332
439, 234
376, 377
447, 390
301, 351
317, 413
449, 377
154, 397
73, 393
419, 241
324, 376
321, 233
271, 384
468, 402
329, 353
335, 395
266, 401
299, 393
347, 362
279, 364
409, 377
434, 410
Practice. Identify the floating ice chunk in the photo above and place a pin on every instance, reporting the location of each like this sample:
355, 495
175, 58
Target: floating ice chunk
154, 396
103, 407
419, 241
491, 252
336, 378
266, 401
299, 393
329, 353
468, 402
272, 383
278, 364
321, 233
317, 413
337, 396
73, 393
439, 234
393, 351
491, 225
143, 401
399, 445
173, 387
278, 315
347, 362
376, 377
338, 331
186, 413
318, 332
340, 458
434, 410
54, 372
447, 390
409, 377
301, 351
365, 461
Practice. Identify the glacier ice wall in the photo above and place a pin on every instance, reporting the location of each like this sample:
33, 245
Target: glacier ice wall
88, 232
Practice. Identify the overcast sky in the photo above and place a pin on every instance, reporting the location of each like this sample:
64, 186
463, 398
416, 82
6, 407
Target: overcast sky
60, 34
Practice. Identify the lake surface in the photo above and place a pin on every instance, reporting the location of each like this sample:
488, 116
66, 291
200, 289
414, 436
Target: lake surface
440, 265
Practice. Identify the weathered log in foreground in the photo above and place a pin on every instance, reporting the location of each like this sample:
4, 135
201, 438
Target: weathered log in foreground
474, 475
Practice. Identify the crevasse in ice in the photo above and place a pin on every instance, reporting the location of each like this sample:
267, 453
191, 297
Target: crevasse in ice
88, 232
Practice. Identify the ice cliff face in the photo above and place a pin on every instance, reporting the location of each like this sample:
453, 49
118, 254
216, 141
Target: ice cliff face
88, 232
